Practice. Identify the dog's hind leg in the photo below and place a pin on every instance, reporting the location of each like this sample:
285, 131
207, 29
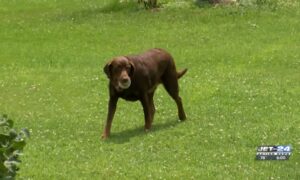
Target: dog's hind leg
152, 107
170, 83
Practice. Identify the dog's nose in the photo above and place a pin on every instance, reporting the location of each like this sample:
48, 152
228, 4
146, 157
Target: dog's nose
125, 80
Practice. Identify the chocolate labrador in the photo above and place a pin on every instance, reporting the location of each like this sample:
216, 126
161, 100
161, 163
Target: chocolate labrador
136, 77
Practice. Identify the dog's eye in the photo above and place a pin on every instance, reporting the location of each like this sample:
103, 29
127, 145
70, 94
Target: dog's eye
120, 67
117, 68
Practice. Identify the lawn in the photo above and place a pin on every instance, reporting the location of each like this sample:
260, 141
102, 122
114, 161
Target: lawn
242, 90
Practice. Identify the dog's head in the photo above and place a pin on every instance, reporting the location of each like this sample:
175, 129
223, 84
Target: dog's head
119, 71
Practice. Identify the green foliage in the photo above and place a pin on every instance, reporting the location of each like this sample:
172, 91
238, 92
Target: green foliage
149, 4
11, 147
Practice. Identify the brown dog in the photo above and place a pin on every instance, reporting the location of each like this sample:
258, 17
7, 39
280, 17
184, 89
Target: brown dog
136, 78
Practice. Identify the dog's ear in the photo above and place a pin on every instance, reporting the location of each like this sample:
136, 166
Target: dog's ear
107, 69
132, 69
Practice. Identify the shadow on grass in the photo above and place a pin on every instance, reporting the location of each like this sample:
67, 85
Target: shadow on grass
203, 3
125, 136
116, 6
92, 12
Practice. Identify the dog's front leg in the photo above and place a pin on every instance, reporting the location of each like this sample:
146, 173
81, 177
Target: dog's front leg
112, 106
147, 111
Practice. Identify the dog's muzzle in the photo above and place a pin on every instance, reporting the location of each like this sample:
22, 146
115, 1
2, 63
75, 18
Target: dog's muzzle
125, 85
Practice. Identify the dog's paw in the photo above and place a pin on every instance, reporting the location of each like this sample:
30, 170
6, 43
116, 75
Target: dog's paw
104, 136
147, 130
182, 117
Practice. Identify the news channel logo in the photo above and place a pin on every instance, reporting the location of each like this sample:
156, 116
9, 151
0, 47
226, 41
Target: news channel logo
273, 152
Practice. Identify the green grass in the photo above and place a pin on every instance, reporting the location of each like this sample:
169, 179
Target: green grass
242, 90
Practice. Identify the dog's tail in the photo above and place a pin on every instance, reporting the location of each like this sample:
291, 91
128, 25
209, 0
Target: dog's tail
181, 73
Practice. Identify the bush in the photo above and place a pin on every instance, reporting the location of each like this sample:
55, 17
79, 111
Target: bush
149, 4
11, 147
